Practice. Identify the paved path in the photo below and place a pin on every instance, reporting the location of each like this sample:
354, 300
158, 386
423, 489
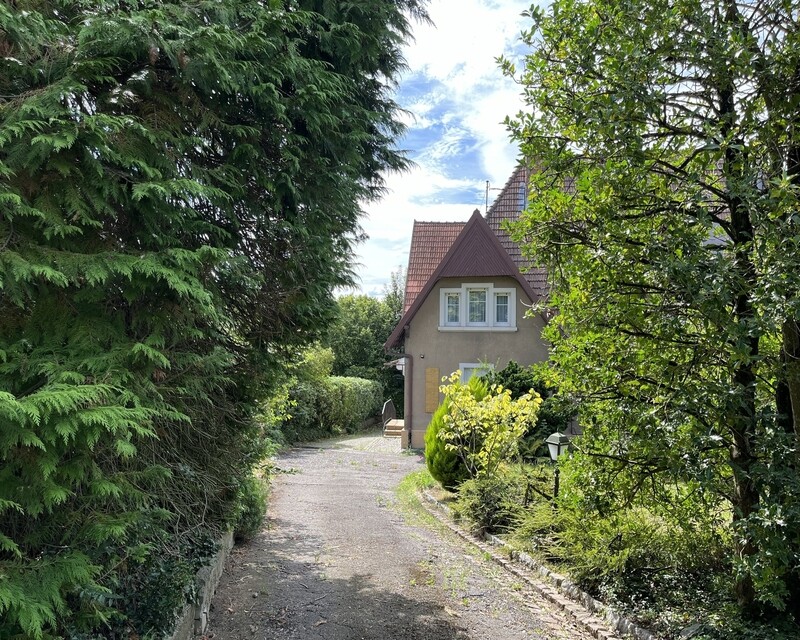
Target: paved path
339, 559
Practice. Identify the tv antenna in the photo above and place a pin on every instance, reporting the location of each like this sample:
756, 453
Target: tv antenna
486, 204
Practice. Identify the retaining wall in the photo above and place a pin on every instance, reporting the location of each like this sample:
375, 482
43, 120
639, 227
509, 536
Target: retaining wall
193, 620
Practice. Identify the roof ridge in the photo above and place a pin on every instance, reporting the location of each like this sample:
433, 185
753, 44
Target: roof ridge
511, 180
440, 222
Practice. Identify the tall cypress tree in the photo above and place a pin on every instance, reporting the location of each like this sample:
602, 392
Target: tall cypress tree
179, 195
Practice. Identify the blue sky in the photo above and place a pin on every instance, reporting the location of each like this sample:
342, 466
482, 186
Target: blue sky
457, 99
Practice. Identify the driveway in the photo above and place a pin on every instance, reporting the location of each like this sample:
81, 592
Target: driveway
340, 558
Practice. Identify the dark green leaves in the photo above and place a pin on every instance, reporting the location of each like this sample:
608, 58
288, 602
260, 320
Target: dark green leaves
179, 196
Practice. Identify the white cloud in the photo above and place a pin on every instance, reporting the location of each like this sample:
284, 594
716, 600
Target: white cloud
456, 135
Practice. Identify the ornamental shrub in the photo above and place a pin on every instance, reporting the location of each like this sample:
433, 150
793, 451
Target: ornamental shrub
444, 463
486, 432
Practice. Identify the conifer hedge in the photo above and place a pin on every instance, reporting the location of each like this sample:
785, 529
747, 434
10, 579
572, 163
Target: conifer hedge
179, 188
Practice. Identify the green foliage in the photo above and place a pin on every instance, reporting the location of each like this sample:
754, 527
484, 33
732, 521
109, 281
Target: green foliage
251, 507
555, 413
444, 463
314, 365
180, 187
310, 403
356, 337
152, 578
665, 136
485, 432
302, 420
660, 571
347, 403
491, 503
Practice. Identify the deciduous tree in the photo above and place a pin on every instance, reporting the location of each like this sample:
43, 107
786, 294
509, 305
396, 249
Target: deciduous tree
665, 203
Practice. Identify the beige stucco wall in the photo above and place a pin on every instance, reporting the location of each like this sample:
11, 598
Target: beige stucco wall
445, 350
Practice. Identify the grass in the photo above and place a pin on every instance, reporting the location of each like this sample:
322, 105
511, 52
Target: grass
408, 499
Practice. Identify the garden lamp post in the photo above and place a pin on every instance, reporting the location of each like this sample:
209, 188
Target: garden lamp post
557, 443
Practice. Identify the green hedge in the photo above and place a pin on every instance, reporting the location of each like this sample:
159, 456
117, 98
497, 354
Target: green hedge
333, 406
347, 402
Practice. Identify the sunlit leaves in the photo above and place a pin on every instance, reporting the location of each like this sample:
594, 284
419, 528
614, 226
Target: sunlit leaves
663, 137
485, 432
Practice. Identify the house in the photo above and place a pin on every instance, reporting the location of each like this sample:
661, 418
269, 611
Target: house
468, 288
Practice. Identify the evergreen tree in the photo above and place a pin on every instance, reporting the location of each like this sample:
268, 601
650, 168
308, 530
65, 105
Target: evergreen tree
178, 198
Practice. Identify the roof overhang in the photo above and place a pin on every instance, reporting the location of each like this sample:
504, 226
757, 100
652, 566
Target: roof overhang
476, 230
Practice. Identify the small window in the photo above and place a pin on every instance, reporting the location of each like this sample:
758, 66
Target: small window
477, 306
501, 308
453, 305
472, 369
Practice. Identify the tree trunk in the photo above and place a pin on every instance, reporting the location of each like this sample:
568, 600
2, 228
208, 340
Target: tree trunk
788, 401
742, 405
742, 459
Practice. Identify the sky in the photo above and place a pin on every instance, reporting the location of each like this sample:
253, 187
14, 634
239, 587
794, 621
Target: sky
457, 99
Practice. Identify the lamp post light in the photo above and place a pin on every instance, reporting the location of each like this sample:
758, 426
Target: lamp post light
558, 444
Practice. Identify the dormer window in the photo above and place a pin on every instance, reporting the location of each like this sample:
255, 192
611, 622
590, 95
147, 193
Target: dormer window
477, 307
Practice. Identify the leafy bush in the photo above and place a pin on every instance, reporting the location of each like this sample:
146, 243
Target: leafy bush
345, 403
312, 404
491, 503
151, 575
443, 462
661, 568
302, 420
251, 507
485, 432
555, 413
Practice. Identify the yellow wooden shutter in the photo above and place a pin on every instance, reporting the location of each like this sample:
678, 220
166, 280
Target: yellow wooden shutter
431, 389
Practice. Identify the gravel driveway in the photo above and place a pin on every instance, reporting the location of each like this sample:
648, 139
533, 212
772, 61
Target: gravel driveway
339, 559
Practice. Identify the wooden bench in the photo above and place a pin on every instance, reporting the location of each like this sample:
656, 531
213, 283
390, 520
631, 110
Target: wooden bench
391, 425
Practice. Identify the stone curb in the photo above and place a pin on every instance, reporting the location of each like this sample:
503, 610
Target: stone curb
592, 614
193, 619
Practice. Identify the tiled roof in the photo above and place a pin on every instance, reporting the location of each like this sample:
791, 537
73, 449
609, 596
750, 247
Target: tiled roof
430, 241
507, 206
431, 244
475, 251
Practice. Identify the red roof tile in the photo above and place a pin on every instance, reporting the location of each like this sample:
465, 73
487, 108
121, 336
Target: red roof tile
507, 206
476, 251
430, 241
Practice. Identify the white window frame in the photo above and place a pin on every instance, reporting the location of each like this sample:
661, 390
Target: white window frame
491, 323
487, 301
479, 369
510, 319
445, 300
